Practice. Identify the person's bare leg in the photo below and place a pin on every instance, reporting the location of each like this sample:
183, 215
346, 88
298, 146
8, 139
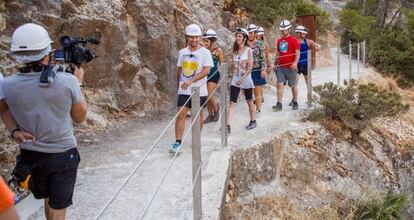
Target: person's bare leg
306, 80
295, 93
9, 214
258, 97
252, 110
180, 123
54, 214
230, 112
280, 92
47, 208
210, 105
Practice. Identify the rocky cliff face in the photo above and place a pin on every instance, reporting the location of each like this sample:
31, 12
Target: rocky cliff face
140, 40
136, 68
312, 174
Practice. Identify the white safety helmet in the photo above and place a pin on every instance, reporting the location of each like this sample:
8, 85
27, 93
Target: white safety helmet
210, 34
251, 28
301, 29
260, 31
30, 43
242, 31
284, 25
193, 30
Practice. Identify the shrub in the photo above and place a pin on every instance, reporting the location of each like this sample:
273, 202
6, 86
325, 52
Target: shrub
271, 11
354, 105
389, 49
389, 207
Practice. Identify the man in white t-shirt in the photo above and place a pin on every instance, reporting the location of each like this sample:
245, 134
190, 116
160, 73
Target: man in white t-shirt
193, 66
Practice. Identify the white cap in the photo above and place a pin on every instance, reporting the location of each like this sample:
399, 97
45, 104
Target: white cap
193, 30
260, 31
251, 28
210, 34
284, 25
30, 43
242, 31
301, 29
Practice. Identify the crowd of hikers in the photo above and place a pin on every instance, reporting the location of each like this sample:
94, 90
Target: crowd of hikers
40, 116
198, 65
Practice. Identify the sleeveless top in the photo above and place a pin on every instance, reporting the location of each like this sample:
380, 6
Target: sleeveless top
304, 47
215, 67
240, 68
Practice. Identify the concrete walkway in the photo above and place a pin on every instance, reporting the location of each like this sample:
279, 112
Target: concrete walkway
106, 164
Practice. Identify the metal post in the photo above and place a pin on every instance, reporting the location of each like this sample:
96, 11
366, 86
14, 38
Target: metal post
223, 93
350, 60
364, 43
309, 82
196, 150
339, 62
358, 56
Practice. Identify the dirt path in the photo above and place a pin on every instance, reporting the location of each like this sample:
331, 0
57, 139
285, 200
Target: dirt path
106, 164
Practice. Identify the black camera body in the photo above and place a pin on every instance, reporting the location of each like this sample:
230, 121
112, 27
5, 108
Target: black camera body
74, 50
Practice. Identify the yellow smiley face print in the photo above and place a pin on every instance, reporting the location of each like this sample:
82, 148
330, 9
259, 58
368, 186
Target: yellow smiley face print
189, 68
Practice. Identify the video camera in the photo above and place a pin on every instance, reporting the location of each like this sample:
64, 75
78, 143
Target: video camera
74, 50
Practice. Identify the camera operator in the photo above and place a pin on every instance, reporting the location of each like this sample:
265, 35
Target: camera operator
46, 112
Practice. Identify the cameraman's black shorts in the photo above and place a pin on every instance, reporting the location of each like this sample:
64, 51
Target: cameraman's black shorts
53, 176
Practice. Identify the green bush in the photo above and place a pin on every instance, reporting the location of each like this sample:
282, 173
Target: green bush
354, 105
389, 208
271, 11
389, 49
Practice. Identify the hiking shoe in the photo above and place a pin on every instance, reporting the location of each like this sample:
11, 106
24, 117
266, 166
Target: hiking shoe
251, 125
295, 106
291, 103
208, 119
277, 107
176, 147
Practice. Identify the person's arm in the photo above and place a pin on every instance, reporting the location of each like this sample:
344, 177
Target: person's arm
11, 125
249, 65
178, 75
297, 54
263, 60
80, 106
277, 54
220, 55
313, 45
268, 63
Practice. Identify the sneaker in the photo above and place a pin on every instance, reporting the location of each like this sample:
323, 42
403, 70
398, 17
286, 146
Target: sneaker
228, 129
176, 147
291, 103
251, 125
208, 119
295, 106
277, 107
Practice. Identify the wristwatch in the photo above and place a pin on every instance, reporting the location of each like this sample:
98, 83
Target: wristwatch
14, 131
